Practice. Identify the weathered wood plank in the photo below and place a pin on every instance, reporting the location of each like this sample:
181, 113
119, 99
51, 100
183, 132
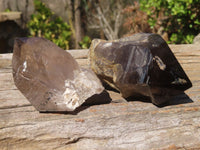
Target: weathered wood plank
186, 49
122, 125
6, 81
5, 60
9, 16
79, 54
12, 99
132, 126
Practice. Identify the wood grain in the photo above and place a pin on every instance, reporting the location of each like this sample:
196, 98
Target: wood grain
118, 125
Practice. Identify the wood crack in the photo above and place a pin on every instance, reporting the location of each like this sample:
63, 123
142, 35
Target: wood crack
17, 106
16, 125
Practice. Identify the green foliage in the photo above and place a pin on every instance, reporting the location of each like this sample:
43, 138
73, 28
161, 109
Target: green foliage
7, 10
180, 18
44, 24
85, 43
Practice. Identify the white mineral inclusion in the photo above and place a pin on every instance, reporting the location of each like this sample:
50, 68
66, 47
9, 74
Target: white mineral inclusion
70, 96
77, 91
24, 66
160, 63
107, 44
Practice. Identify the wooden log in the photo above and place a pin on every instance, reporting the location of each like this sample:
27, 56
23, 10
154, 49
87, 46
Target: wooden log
79, 54
5, 60
9, 16
118, 125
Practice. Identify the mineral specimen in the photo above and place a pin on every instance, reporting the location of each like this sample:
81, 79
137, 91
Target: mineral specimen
49, 77
141, 64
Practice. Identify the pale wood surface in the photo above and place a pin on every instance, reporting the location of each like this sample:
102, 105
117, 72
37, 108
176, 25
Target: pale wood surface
9, 16
122, 125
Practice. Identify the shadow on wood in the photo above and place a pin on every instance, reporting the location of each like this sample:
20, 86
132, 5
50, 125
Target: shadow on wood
98, 99
179, 99
175, 100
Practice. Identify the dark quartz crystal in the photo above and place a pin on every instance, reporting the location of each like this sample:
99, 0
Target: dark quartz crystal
141, 64
49, 77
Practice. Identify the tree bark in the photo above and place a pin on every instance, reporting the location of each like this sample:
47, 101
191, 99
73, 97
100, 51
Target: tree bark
78, 29
70, 20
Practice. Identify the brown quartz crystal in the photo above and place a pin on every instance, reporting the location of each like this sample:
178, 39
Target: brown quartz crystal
49, 77
139, 65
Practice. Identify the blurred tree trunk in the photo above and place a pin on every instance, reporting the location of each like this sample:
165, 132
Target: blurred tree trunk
107, 16
77, 16
70, 17
74, 17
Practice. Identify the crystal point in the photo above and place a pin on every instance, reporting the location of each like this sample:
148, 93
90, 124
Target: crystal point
49, 77
141, 64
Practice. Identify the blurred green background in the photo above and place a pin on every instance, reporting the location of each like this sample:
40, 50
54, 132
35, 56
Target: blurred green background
72, 24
